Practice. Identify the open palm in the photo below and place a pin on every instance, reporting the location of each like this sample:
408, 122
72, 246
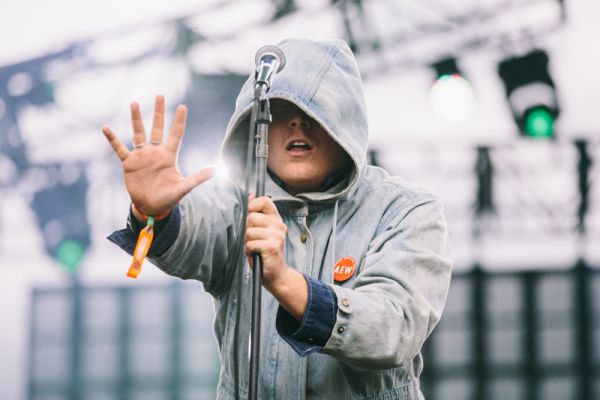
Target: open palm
152, 178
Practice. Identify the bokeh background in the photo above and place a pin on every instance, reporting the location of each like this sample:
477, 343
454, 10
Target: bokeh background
493, 105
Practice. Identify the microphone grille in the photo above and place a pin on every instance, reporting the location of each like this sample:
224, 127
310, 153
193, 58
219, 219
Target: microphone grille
273, 51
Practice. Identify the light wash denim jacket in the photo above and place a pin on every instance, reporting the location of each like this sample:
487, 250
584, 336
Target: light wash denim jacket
395, 232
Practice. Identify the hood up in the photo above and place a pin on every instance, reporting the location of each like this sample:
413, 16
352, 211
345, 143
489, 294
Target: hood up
323, 80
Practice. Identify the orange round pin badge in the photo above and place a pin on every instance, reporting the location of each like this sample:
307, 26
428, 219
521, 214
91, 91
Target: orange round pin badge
344, 269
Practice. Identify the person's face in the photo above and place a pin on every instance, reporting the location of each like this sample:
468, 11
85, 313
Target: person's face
301, 153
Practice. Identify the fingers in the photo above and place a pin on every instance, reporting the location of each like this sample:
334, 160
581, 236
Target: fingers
263, 220
262, 247
262, 205
267, 242
267, 249
158, 122
265, 234
190, 182
156, 135
271, 237
178, 128
257, 219
139, 133
119, 148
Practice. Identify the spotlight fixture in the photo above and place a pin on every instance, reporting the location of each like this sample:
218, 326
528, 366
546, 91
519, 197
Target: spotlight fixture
451, 94
531, 93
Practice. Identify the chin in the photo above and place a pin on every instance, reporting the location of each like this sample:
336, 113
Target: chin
300, 176
301, 186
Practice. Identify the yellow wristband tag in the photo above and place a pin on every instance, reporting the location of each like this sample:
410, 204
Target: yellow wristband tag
141, 249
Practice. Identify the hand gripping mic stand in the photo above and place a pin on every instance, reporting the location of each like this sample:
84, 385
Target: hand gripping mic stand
259, 125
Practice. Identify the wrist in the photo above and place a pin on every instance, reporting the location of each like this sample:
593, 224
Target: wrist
140, 216
278, 283
290, 289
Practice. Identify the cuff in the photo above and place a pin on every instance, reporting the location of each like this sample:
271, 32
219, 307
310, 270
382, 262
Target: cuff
313, 332
165, 233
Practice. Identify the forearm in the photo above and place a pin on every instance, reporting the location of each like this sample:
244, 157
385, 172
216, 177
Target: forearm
199, 239
291, 291
310, 331
207, 245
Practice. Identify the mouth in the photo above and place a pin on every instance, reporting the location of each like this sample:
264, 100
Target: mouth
298, 146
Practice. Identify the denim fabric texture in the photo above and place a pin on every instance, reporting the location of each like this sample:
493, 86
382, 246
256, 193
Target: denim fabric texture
305, 337
395, 232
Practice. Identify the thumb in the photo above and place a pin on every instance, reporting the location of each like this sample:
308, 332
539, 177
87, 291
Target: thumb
190, 182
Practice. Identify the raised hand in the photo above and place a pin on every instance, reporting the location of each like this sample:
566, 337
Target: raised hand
152, 178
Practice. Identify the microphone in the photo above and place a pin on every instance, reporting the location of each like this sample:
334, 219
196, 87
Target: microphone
269, 61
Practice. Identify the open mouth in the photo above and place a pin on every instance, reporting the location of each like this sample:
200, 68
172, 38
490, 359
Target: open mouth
298, 146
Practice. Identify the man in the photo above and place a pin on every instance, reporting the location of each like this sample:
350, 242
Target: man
356, 262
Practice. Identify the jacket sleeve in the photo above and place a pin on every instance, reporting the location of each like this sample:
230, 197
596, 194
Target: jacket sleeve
398, 296
165, 233
310, 334
207, 246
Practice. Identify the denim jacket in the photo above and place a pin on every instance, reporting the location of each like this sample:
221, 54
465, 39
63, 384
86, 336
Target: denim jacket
395, 233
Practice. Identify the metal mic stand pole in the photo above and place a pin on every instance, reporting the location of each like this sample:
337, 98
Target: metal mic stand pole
262, 116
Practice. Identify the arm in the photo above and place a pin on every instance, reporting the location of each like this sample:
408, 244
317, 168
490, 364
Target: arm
307, 306
398, 297
204, 226
383, 319
265, 235
198, 240
208, 242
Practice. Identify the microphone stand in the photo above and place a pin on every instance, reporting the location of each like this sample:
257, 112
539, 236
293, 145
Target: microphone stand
261, 114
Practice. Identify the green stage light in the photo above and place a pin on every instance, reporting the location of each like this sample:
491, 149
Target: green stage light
531, 93
70, 253
539, 123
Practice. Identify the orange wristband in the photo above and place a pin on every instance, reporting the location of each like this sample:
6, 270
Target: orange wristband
141, 249
157, 218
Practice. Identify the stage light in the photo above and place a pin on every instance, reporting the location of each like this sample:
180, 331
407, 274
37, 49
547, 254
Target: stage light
451, 95
60, 209
539, 122
531, 94
70, 253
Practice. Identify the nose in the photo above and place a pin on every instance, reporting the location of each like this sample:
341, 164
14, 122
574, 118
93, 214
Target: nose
299, 121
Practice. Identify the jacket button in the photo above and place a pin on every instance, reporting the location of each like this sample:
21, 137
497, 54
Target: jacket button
341, 330
303, 238
346, 303
310, 340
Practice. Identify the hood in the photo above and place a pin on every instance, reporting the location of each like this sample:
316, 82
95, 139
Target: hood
323, 80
